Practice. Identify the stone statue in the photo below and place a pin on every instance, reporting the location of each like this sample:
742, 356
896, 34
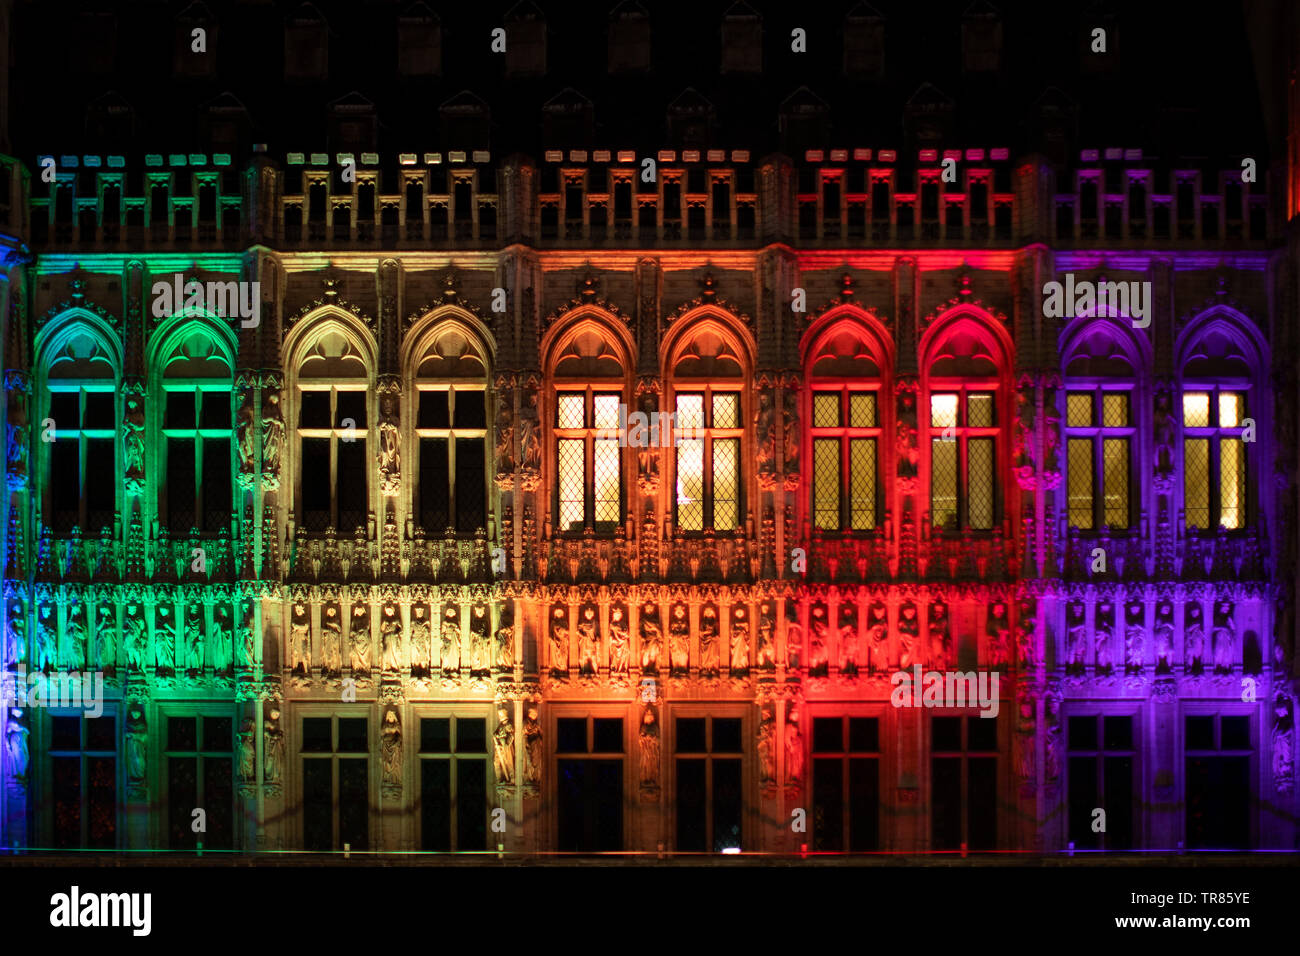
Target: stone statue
997, 632
679, 640
1134, 634
1077, 640
848, 637
16, 749
245, 440
194, 639
766, 655
817, 635
389, 458
530, 446
247, 752
1025, 635
767, 748
16, 635
1224, 640
793, 750
359, 640
1194, 638
651, 639
619, 642
480, 646
421, 641
765, 433
222, 640
300, 640
137, 745
560, 642
390, 639
940, 638
134, 636
1283, 744
47, 638
506, 648
1105, 627
272, 439
739, 643
793, 646
505, 436
503, 748
649, 746
878, 635
331, 627
1025, 741
1164, 635
709, 655
75, 635
790, 431
909, 631
533, 756
449, 657
164, 641
390, 750
272, 747
133, 445
588, 643
16, 442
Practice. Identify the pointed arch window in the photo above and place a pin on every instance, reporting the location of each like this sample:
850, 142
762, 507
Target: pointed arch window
196, 436
1099, 438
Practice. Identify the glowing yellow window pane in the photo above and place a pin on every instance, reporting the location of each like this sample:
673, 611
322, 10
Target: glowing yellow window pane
1232, 483
1196, 409
690, 482
1079, 482
943, 411
943, 483
1114, 410
569, 467
1078, 410
726, 484
690, 411
979, 410
979, 482
607, 481
1115, 476
826, 410
1231, 406
606, 411
862, 410
1196, 482
726, 410
570, 411
826, 483
862, 483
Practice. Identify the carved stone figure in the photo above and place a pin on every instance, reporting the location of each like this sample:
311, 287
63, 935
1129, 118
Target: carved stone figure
359, 640
530, 447
1164, 639
47, 638
533, 756
909, 632
739, 643
1283, 739
245, 440
997, 631
300, 640
390, 638
503, 748
248, 631
1224, 640
588, 642
331, 633
421, 641
765, 656
1076, 640
620, 642
16, 441
505, 436
16, 635
133, 445
878, 635
390, 751
940, 637
194, 639
164, 641
272, 747
1052, 744
480, 642
1026, 627
679, 637
506, 648
793, 749
1105, 628
247, 752
848, 639
560, 641
389, 456
1134, 634
817, 635
137, 745
767, 748
134, 636
710, 663
1194, 640
1025, 741
765, 433
104, 652
449, 658
649, 747
222, 640
790, 431
17, 754
272, 440
75, 636
651, 639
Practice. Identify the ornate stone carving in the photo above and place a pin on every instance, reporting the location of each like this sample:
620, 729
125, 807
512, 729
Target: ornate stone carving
300, 640
390, 638
648, 746
17, 754
359, 643
272, 747
390, 751
503, 750
137, 749
389, 457
651, 638
272, 439
1283, 740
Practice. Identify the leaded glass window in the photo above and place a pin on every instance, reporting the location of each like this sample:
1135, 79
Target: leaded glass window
588, 466
707, 436
846, 441
1099, 431
451, 434
963, 459
1214, 459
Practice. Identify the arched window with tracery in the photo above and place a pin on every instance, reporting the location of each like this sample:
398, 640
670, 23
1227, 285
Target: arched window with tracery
965, 398
80, 365
709, 375
195, 430
449, 369
589, 377
1219, 364
333, 364
1104, 383
845, 369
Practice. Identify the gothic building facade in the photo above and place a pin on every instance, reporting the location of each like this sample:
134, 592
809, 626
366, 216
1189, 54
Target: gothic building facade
533, 503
